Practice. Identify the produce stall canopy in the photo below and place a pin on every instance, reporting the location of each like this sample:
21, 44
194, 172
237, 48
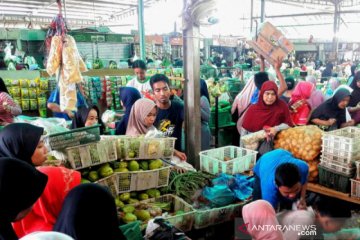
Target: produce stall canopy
79, 13
295, 18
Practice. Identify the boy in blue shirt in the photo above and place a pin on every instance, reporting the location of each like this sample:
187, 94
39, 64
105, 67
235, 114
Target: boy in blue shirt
281, 179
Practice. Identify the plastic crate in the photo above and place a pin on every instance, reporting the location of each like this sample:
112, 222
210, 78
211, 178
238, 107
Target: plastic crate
338, 166
224, 117
342, 155
110, 183
337, 181
142, 180
79, 136
183, 221
133, 148
355, 188
230, 160
91, 154
342, 142
132, 231
206, 218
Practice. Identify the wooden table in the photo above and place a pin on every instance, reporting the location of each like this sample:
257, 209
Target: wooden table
331, 193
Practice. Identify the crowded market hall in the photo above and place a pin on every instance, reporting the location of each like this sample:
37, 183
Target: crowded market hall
179, 120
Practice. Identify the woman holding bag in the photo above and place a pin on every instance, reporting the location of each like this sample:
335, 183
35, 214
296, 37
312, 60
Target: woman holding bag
300, 109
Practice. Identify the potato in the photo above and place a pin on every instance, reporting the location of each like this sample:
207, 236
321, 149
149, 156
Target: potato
304, 141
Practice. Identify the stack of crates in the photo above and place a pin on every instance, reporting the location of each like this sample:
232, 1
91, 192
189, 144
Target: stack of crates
340, 151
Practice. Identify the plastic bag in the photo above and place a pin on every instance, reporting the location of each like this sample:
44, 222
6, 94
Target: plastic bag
108, 116
154, 133
242, 186
251, 141
71, 61
219, 195
223, 179
266, 146
54, 59
159, 229
182, 164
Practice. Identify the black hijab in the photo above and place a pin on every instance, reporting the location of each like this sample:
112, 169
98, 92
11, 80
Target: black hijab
3, 87
128, 96
81, 115
203, 89
20, 186
355, 95
260, 78
89, 212
330, 109
19, 140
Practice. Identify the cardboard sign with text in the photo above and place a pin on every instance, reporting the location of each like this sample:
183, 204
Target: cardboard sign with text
271, 43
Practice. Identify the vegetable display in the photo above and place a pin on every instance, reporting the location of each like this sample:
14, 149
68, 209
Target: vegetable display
186, 184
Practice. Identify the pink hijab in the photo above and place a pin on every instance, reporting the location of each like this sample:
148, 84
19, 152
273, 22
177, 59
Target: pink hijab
139, 112
302, 91
317, 97
261, 213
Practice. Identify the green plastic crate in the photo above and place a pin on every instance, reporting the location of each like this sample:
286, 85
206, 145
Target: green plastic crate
224, 117
337, 181
132, 231
229, 160
206, 218
75, 137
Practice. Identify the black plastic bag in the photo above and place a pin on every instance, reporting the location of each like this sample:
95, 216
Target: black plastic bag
166, 231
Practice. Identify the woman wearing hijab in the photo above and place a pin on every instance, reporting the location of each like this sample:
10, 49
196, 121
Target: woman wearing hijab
317, 97
47, 208
327, 73
89, 212
8, 108
21, 185
205, 116
128, 96
352, 76
331, 114
142, 117
333, 84
354, 104
23, 141
87, 117
270, 111
260, 213
299, 108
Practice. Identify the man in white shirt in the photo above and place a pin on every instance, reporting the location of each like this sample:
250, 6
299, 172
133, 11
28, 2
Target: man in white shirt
140, 82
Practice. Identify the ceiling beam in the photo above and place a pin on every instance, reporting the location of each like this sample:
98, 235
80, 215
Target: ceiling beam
306, 14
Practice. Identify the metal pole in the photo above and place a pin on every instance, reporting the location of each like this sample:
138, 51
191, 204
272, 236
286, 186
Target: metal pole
262, 10
251, 15
336, 29
141, 27
191, 34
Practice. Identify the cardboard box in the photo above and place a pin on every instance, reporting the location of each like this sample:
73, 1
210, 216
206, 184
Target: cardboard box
271, 43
